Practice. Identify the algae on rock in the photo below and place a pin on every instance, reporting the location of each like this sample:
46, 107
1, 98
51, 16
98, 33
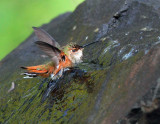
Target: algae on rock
116, 73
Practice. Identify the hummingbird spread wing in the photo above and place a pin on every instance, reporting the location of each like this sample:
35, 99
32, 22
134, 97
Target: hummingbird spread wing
50, 50
42, 35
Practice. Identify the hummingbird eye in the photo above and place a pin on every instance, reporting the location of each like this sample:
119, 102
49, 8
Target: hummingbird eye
73, 50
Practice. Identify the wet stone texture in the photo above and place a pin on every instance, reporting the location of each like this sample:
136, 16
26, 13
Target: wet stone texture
118, 81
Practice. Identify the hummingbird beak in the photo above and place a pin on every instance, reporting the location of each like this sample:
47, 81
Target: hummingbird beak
89, 44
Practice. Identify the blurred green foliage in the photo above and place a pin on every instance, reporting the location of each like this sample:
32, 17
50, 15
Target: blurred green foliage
18, 17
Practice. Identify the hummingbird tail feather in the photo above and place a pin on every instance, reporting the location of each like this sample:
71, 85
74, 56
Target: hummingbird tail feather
29, 75
40, 70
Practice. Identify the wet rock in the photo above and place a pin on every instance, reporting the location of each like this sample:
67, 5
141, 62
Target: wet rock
118, 82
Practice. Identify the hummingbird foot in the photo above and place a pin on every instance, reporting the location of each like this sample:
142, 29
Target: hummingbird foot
59, 74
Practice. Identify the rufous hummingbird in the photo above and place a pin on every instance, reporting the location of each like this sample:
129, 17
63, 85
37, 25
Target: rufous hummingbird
62, 57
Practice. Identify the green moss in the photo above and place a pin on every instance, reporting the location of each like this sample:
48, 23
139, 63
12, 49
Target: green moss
115, 90
105, 59
24, 102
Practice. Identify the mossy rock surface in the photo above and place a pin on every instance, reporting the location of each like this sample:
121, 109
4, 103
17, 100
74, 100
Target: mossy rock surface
116, 72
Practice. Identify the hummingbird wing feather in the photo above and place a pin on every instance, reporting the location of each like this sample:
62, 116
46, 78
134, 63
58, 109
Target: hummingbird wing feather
42, 35
50, 50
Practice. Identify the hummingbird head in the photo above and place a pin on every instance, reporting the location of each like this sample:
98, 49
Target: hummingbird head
75, 53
